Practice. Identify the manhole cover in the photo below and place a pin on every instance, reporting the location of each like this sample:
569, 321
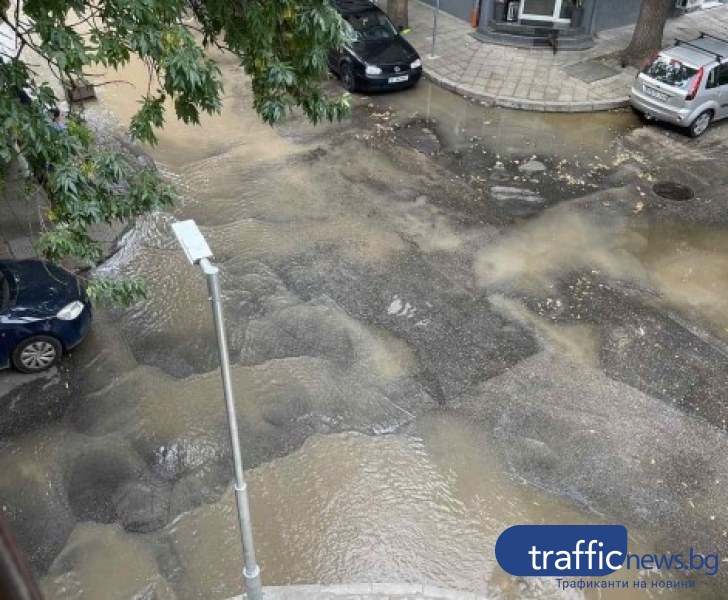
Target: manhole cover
672, 190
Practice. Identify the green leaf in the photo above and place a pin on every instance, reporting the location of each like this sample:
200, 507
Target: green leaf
117, 292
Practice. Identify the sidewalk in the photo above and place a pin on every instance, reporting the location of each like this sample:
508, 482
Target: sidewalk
539, 80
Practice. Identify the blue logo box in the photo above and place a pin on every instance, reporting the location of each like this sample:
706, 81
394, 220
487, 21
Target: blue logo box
562, 550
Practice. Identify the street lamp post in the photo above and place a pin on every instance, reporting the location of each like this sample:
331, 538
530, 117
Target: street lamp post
436, 12
198, 252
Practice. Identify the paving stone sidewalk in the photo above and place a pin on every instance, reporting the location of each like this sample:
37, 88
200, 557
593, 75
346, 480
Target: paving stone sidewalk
538, 79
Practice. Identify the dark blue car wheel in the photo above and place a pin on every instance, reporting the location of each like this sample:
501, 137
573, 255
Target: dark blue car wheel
36, 353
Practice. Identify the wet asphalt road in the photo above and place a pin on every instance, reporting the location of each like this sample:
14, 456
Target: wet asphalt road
430, 256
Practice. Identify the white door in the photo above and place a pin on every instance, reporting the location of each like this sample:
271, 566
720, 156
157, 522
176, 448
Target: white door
543, 10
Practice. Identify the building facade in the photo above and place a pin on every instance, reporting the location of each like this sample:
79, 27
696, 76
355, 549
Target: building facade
591, 16
563, 24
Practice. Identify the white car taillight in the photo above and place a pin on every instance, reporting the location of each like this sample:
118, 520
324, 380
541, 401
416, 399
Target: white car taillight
70, 311
696, 84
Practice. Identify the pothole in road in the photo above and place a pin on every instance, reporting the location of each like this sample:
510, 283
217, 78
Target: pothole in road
421, 136
672, 190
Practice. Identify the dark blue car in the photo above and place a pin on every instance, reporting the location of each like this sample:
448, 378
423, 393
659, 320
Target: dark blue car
44, 313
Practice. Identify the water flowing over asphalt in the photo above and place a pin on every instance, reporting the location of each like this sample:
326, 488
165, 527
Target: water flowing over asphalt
444, 319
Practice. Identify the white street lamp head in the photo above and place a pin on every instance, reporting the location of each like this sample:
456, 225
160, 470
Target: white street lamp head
192, 241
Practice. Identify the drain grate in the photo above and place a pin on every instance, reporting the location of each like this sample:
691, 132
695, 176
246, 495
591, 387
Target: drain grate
590, 71
673, 191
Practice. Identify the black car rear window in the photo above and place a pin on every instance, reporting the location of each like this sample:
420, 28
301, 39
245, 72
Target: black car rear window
671, 71
371, 25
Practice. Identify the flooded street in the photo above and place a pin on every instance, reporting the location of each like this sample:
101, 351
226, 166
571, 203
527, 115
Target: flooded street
444, 319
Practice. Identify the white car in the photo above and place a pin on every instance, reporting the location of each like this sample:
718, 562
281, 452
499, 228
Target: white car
686, 84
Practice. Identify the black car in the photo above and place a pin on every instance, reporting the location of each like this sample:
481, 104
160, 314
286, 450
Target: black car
44, 312
379, 58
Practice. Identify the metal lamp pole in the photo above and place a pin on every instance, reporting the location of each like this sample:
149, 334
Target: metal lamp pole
198, 252
434, 29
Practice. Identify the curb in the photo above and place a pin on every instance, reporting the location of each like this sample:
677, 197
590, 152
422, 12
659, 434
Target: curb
524, 103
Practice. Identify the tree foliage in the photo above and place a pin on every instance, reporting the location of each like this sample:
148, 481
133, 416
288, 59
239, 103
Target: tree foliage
281, 44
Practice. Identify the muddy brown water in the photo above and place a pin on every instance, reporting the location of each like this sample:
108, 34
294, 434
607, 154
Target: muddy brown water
423, 496
426, 507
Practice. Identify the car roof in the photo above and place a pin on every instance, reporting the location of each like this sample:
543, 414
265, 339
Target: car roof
699, 52
353, 6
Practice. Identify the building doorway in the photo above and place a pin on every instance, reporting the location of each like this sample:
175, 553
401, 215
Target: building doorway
555, 11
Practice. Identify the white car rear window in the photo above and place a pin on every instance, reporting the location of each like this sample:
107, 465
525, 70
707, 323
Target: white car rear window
671, 71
